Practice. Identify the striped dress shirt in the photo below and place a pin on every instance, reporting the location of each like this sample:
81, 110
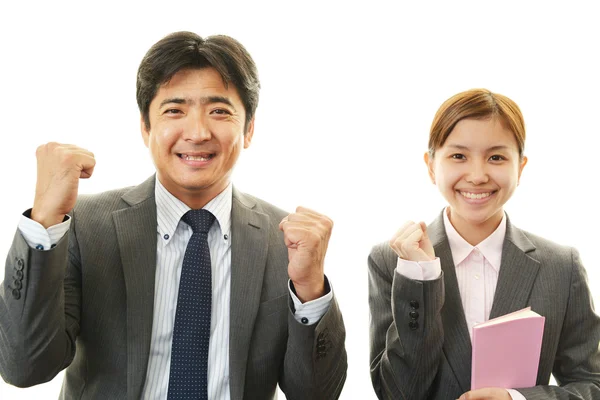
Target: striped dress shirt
173, 236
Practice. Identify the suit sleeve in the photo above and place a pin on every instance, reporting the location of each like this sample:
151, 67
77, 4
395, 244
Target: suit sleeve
39, 311
577, 362
315, 362
405, 351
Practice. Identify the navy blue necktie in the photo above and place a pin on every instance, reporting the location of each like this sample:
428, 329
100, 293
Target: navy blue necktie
188, 377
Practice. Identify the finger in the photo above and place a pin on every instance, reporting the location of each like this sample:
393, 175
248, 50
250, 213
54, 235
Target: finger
294, 236
306, 210
423, 227
86, 164
479, 394
400, 231
282, 223
319, 222
86, 173
414, 239
409, 231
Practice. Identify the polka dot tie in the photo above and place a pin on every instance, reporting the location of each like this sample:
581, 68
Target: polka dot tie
188, 378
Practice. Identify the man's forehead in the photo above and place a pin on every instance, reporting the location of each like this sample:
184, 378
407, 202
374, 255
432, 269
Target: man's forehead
194, 84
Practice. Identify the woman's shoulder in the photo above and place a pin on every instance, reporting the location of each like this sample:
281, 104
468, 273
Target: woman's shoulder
546, 251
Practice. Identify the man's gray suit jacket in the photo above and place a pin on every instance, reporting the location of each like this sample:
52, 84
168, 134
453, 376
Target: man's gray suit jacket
434, 360
87, 305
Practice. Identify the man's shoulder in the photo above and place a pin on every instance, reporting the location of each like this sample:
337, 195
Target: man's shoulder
108, 200
260, 205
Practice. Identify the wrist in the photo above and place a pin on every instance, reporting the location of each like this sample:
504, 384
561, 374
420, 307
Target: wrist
309, 291
46, 220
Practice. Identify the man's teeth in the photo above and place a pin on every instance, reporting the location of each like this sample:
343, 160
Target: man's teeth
469, 195
195, 158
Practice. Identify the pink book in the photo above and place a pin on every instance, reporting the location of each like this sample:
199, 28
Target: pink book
506, 350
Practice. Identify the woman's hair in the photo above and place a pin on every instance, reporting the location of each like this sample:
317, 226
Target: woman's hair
476, 104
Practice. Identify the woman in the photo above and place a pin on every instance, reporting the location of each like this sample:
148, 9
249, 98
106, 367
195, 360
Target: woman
430, 284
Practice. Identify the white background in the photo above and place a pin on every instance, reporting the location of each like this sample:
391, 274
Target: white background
348, 95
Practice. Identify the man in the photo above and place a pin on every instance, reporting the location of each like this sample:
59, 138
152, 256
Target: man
181, 287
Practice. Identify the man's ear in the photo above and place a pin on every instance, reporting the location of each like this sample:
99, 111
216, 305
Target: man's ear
429, 162
249, 133
145, 131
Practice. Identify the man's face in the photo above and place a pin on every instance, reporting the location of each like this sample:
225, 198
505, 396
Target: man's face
196, 134
477, 170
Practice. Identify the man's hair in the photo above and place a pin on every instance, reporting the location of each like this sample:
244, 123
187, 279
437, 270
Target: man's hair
476, 104
186, 50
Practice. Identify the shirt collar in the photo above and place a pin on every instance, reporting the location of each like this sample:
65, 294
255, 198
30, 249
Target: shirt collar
169, 210
490, 247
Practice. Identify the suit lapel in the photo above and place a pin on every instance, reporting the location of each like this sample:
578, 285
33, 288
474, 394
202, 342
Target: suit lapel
136, 233
249, 245
517, 273
515, 282
457, 343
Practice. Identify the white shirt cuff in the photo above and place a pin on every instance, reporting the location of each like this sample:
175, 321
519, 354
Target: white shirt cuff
515, 395
40, 238
420, 270
310, 312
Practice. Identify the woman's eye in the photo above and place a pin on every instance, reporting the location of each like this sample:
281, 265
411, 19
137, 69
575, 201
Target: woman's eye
497, 157
458, 156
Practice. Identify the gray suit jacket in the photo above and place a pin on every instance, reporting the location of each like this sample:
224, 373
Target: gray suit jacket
434, 360
87, 305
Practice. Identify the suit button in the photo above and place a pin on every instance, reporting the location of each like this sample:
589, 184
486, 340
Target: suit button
19, 275
20, 264
414, 304
413, 314
17, 284
304, 320
413, 325
16, 294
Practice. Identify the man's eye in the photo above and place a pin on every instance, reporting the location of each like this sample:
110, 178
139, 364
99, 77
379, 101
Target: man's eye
458, 156
172, 111
221, 111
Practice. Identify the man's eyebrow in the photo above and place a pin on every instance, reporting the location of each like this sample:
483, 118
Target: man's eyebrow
216, 99
202, 100
175, 100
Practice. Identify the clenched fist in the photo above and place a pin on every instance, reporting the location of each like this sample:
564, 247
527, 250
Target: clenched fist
412, 243
306, 234
59, 168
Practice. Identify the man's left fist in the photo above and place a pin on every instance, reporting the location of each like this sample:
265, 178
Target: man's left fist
306, 234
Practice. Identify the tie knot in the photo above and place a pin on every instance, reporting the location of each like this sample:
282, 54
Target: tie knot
199, 220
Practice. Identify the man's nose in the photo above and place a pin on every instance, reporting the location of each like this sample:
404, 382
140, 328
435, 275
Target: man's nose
198, 129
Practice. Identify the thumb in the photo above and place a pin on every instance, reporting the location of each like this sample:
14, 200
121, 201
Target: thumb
425, 237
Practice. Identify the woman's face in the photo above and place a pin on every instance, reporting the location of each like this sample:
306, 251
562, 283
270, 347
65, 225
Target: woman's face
477, 170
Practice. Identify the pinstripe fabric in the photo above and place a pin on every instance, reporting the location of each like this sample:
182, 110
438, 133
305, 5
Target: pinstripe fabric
88, 306
173, 237
477, 269
434, 361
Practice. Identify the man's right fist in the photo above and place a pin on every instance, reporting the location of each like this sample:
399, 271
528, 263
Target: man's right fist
59, 168
412, 243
